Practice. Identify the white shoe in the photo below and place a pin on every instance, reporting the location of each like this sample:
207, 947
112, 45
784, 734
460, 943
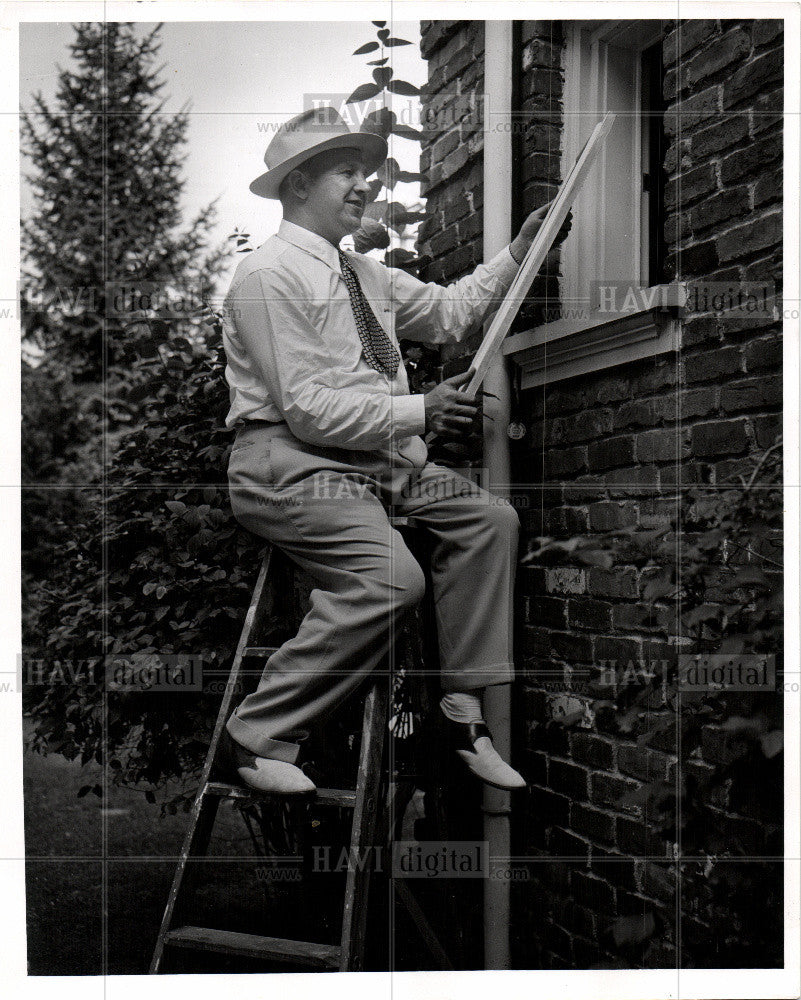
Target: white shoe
265, 774
474, 746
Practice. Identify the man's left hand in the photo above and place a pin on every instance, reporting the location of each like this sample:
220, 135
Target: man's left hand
520, 245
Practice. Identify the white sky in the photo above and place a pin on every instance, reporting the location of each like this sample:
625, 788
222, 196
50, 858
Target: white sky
237, 75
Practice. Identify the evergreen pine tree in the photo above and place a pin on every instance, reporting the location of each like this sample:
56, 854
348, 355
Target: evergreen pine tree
107, 181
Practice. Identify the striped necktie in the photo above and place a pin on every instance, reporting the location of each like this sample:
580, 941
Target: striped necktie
379, 350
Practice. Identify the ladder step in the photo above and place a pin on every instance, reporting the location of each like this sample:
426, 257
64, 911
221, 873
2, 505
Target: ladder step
326, 956
345, 797
262, 652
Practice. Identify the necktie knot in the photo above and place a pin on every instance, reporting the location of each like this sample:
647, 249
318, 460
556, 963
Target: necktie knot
379, 351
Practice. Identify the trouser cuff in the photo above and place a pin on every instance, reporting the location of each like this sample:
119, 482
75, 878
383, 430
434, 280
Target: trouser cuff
498, 673
262, 746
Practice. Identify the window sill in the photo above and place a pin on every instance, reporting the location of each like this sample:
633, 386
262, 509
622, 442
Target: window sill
569, 347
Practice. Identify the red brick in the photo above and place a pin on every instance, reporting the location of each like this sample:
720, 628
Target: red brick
699, 330
699, 402
618, 652
767, 111
751, 394
755, 158
608, 789
690, 186
752, 78
571, 647
753, 236
767, 30
687, 36
587, 748
548, 611
611, 452
566, 461
726, 50
721, 437
444, 241
639, 413
592, 892
659, 445
455, 161
641, 763
713, 365
640, 481
581, 427
569, 779
562, 844
549, 807
766, 430
618, 582
714, 210
769, 188
696, 110
764, 355
589, 614
605, 516
657, 376
637, 617
721, 135
592, 823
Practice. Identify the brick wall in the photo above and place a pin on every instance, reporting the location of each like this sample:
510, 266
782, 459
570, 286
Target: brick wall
615, 450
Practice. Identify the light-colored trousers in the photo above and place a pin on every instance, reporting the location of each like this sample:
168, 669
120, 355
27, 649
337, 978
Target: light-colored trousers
327, 509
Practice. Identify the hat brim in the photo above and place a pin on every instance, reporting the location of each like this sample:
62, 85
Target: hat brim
373, 148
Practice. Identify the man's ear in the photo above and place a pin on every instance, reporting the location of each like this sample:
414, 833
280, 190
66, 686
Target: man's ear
298, 184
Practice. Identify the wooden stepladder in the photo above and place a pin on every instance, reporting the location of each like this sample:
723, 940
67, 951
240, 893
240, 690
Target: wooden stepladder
371, 824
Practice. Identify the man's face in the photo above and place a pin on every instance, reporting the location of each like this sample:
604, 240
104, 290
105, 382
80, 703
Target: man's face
337, 195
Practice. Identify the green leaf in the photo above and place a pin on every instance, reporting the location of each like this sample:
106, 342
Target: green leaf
394, 42
399, 256
148, 588
363, 93
403, 89
408, 176
371, 235
383, 34
367, 47
388, 171
379, 24
381, 122
404, 132
379, 62
382, 76
175, 506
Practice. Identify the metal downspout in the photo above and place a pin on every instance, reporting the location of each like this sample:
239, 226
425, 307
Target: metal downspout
497, 221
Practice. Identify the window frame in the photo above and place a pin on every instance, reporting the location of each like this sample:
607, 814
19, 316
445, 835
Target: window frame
598, 56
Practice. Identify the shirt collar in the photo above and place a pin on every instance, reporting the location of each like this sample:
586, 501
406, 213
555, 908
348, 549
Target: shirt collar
311, 243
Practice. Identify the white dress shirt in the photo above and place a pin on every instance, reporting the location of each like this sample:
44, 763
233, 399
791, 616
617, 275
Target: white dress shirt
294, 354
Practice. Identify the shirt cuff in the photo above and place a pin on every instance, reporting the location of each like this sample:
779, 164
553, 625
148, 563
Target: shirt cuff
408, 415
505, 266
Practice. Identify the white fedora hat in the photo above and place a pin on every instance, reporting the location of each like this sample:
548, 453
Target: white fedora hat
310, 133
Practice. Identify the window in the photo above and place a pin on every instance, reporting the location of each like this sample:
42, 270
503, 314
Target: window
617, 236
617, 218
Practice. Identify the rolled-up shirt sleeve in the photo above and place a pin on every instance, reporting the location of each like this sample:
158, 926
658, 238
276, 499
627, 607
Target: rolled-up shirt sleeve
302, 377
437, 314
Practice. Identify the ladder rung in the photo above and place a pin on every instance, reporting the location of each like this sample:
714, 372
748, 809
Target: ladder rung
325, 956
345, 797
262, 652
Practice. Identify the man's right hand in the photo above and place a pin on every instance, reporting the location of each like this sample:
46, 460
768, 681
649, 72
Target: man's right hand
449, 413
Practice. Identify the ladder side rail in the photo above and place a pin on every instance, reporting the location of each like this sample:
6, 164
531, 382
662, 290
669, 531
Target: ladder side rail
204, 808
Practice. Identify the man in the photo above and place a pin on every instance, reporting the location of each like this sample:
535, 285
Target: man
329, 438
